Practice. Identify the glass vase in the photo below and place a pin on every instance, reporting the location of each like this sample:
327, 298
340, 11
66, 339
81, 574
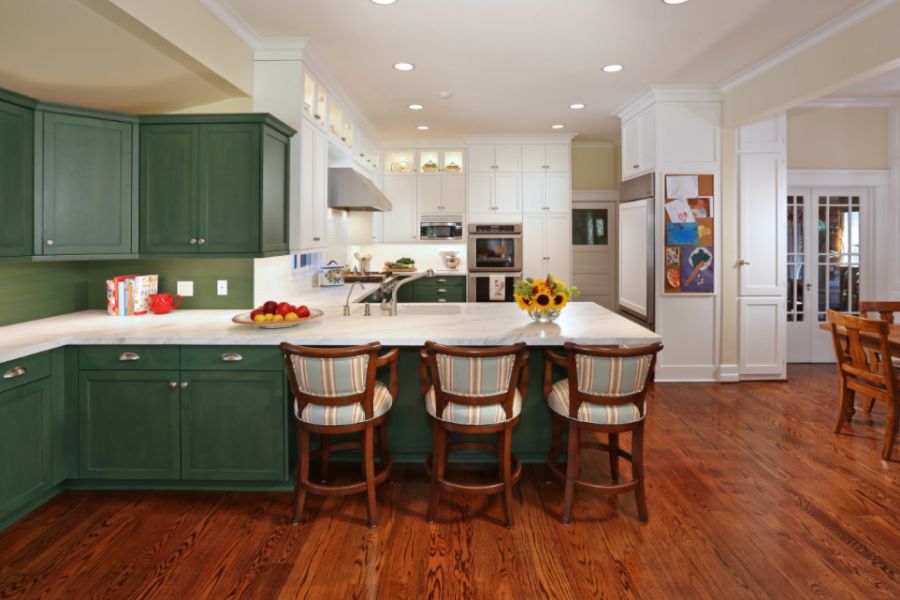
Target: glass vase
543, 315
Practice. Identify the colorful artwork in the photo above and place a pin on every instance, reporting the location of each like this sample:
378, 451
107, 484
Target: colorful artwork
673, 269
679, 211
704, 232
701, 207
682, 234
697, 274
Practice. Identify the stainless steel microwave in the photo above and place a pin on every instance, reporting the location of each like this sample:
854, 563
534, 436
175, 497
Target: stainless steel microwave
441, 227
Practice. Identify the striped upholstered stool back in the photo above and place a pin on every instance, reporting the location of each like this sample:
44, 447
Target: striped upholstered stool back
613, 376
330, 377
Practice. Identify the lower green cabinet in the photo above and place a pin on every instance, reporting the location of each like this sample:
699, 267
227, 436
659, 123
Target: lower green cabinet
130, 425
233, 425
25, 444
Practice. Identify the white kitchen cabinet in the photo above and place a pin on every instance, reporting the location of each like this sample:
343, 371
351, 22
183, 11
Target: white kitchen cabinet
546, 192
639, 144
547, 245
508, 195
488, 158
480, 192
313, 189
534, 189
495, 197
400, 224
441, 194
429, 196
481, 158
546, 157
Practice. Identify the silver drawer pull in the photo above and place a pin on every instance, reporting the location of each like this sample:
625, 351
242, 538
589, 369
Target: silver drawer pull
441, 280
127, 356
232, 357
15, 372
441, 291
183, 385
442, 299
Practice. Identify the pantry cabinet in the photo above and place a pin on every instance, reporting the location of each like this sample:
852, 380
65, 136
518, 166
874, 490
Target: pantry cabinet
214, 185
546, 192
547, 246
310, 224
86, 201
555, 158
502, 158
639, 144
16, 175
400, 223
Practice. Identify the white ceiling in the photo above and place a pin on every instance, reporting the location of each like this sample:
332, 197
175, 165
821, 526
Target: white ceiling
514, 66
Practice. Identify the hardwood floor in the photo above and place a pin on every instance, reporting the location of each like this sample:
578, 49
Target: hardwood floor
750, 496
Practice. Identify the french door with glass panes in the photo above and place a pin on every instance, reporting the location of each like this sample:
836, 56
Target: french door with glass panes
824, 270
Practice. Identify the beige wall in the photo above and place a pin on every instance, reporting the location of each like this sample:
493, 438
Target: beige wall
241, 104
837, 138
593, 167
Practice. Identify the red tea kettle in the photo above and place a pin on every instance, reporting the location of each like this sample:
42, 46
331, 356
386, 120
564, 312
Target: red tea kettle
160, 304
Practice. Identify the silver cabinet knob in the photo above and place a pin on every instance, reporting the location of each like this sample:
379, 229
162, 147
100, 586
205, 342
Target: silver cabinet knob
183, 385
201, 241
15, 372
442, 280
316, 239
129, 356
192, 241
173, 385
49, 242
441, 291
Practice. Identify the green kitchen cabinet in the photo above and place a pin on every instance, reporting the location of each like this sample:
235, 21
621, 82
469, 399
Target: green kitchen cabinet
129, 424
233, 426
214, 185
441, 288
26, 447
16, 175
87, 197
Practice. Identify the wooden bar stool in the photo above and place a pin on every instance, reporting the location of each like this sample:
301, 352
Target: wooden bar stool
335, 392
481, 391
604, 391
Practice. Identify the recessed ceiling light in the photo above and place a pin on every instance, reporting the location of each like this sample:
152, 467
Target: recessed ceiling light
422, 127
668, 1
401, 66
416, 107
557, 126
576, 106
613, 68
383, 2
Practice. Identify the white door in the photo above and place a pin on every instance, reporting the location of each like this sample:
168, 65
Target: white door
400, 222
594, 245
558, 245
453, 194
429, 194
508, 194
533, 246
533, 192
824, 265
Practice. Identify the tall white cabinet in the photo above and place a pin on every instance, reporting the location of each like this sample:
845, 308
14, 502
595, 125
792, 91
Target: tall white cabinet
547, 210
495, 183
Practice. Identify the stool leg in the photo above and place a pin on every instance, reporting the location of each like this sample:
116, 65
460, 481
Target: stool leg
302, 473
384, 453
891, 426
556, 443
439, 455
369, 465
506, 473
846, 411
573, 457
637, 465
325, 445
614, 456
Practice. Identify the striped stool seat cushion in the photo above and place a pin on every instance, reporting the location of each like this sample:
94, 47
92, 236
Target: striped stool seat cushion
588, 412
463, 414
349, 414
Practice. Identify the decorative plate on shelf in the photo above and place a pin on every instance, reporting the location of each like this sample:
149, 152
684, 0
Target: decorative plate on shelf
244, 319
401, 165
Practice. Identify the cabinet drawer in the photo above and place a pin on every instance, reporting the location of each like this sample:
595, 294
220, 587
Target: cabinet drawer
232, 358
442, 281
131, 358
24, 370
441, 294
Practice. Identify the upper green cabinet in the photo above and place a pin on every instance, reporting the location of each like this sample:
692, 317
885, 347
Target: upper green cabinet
87, 199
214, 184
16, 175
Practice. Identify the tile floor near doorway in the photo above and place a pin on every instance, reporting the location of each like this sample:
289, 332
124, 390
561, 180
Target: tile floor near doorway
749, 492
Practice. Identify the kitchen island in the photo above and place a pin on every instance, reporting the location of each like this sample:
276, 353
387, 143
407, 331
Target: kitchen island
191, 400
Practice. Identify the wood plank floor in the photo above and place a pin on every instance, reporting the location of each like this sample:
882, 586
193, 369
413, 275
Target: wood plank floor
750, 496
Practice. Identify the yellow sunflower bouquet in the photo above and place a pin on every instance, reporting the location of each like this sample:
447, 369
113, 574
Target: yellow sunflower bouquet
543, 298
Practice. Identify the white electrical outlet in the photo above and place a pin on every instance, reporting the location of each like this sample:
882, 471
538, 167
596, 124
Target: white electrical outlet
222, 287
185, 288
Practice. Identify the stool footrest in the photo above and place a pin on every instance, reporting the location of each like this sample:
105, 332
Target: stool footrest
486, 488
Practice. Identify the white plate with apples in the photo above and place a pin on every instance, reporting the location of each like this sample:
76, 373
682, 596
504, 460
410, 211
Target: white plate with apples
277, 315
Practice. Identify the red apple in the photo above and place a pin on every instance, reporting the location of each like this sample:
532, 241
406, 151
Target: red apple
270, 307
258, 311
284, 308
302, 311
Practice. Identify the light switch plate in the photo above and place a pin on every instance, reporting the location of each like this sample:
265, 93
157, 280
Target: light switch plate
185, 288
222, 287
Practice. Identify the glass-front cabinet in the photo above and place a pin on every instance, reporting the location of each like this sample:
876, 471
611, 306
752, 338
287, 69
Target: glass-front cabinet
441, 161
400, 162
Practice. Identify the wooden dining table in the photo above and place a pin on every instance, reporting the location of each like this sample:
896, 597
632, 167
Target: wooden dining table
871, 340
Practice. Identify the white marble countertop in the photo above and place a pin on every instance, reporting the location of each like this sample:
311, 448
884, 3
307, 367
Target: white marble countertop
464, 324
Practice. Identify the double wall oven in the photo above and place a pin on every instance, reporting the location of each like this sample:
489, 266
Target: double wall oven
495, 255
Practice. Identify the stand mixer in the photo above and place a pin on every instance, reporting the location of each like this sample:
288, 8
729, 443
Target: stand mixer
451, 259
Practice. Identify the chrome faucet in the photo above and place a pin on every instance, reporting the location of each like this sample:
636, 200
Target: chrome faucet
350, 293
391, 309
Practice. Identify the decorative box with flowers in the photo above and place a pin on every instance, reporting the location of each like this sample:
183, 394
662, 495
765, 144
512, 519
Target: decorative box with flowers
543, 298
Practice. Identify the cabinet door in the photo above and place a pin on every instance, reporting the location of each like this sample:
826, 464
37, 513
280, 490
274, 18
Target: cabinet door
647, 141
233, 426
631, 160
400, 222
558, 158
320, 190
169, 219
533, 255
25, 444
275, 166
508, 194
453, 194
480, 193
558, 193
508, 158
88, 201
534, 157
302, 222
429, 194
481, 158
129, 424
558, 245
534, 192
763, 331
17, 177
229, 201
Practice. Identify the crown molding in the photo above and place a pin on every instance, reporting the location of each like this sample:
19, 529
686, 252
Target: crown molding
233, 21
522, 138
851, 103
635, 104
667, 93
592, 144
845, 21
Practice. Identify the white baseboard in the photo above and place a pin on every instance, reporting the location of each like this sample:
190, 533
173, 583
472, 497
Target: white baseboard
729, 374
685, 373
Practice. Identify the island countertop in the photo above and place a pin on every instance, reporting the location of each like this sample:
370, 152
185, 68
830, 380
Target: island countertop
481, 324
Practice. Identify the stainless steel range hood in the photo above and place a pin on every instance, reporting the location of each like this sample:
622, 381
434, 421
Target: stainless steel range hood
349, 190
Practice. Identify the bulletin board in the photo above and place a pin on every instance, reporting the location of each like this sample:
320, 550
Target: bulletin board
690, 244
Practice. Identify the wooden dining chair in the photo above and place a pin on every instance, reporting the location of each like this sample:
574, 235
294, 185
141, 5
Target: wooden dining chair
335, 392
473, 391
604, 391
862, 372
885, 310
